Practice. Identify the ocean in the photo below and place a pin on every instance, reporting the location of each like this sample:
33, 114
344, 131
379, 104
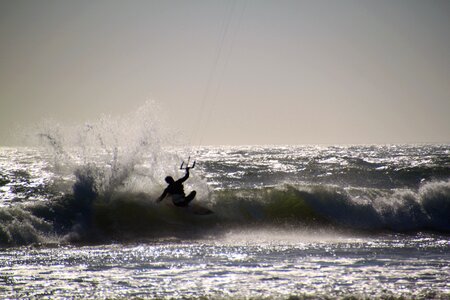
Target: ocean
79, 220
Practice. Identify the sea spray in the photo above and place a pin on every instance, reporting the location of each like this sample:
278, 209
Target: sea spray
117, 149
89, 162
116, 166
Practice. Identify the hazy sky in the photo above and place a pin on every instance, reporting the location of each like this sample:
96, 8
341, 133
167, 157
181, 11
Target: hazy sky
233, 72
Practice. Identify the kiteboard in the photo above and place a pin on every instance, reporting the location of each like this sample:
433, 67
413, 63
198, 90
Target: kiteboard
192, 208
198, 209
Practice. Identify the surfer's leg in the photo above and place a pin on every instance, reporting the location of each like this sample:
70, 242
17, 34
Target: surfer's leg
190, 197
186, 200
179, 200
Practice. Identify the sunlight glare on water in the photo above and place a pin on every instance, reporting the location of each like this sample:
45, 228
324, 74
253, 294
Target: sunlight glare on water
241, 264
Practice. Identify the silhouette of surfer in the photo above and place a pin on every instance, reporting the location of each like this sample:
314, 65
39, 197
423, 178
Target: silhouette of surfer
175, 190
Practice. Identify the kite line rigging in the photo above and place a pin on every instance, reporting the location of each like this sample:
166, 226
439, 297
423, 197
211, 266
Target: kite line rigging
230, 26
215, 77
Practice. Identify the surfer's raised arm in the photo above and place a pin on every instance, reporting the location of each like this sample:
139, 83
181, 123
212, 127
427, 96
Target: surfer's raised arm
185, 177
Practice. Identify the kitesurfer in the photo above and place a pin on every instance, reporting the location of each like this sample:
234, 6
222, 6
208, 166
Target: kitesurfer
175, 190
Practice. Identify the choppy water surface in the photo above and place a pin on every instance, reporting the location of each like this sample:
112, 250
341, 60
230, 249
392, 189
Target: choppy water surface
237, 265
370, 166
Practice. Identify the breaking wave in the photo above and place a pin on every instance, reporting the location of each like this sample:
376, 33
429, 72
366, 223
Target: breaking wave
87, 217
369, 210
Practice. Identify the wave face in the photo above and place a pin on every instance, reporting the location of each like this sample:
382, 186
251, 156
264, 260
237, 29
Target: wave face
97, 183
403, 210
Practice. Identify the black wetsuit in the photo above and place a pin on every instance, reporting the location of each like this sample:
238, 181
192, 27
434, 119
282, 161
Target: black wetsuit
176, 191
